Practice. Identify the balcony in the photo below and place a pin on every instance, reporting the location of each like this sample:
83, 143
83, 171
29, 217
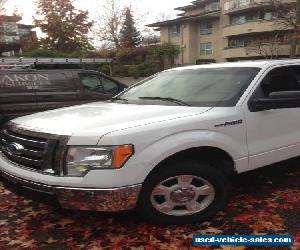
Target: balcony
236, 6
257, 26
243, 52
198, 12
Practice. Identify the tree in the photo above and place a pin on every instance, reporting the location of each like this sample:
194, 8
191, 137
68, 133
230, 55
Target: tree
162, 16
166, 53
130, 37
2, 6
266, 48
288, 16
110, 23
66, 27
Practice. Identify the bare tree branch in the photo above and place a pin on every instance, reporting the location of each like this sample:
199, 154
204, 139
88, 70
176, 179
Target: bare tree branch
109, 23
162, 16
2, 6
268, 49
288, 17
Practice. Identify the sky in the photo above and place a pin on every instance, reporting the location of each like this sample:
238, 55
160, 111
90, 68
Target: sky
147, 11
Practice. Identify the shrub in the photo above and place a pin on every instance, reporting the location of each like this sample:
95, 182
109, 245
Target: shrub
43, 53
136, 71
205, 61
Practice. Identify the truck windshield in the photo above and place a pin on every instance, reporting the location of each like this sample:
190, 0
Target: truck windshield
209, 87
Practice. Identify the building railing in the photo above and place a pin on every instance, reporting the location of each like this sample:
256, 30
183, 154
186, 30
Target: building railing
212, 7
237, 4
233, 5
259, 20
279, 44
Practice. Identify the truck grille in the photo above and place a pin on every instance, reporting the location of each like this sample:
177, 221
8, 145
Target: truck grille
33, 150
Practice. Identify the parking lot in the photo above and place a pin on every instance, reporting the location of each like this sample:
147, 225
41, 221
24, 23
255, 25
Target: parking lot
264, 201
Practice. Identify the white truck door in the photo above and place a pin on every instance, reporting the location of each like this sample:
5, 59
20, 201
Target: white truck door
274, 135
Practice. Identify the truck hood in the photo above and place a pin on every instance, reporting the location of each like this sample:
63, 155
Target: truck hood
100, 118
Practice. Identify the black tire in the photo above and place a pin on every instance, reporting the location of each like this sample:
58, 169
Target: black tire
214, 176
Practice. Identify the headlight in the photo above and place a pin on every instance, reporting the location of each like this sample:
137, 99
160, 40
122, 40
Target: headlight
80, 160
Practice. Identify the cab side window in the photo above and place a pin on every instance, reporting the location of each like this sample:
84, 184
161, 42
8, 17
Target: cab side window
109, 86
91, 83
282, 79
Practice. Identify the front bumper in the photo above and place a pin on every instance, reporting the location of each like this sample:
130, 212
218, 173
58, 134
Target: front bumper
105, 200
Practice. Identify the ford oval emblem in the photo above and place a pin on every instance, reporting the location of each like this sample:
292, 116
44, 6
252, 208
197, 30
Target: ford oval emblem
15, 148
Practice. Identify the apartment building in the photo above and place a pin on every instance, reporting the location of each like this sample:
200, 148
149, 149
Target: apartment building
14, 37
226, 30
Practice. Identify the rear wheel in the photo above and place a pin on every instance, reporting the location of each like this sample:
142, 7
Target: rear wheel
183, 192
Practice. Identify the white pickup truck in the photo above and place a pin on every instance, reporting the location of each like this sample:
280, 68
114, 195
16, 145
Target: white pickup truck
166, 146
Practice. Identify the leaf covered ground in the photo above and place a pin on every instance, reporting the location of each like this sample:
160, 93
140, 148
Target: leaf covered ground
265, 201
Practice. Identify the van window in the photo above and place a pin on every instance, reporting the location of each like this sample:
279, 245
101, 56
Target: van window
91, 82
109, 86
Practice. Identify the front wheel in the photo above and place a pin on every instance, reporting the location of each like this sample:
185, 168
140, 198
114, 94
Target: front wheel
183, 192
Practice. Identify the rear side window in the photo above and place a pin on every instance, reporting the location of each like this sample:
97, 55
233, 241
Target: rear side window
91, 82
109, 86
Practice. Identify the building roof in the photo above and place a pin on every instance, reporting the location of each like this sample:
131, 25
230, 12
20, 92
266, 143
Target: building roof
4, 18
211, 14
25, 26
193, 5
255, 64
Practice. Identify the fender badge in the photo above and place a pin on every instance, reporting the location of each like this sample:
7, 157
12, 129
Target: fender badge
231, 123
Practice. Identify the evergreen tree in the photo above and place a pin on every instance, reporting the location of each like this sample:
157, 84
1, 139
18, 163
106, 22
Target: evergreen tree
130, 37
66, 27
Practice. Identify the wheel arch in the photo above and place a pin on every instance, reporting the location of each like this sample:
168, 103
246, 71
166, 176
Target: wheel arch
216, 157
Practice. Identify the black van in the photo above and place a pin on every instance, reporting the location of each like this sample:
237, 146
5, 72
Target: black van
27, 91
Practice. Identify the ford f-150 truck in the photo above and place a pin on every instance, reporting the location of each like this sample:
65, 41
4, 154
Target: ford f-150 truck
166, 146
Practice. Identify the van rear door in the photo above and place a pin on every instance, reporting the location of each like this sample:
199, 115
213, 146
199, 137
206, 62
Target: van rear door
58, 89
17, 96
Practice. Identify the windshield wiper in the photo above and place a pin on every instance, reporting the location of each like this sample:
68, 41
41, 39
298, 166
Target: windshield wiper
168, 99
118, 99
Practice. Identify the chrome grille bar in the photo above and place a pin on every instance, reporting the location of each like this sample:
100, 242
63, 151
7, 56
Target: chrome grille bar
38, 151
32, 143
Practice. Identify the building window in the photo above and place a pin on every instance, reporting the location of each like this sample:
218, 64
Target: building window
241, 19
232, 4
205, 48
229, 5
269, 15
239, 42
238, 20
175, 30
252, 17
212, 6
244, 2
206, 28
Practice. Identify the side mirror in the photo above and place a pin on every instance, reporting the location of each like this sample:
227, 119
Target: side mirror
276, 100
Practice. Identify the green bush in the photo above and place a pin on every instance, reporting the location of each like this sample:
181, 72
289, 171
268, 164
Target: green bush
120, 70
104, 68
205, 61
43, 53
136, 71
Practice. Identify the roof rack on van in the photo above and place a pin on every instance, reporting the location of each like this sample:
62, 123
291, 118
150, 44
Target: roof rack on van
32, 60
49, 63
15, 66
